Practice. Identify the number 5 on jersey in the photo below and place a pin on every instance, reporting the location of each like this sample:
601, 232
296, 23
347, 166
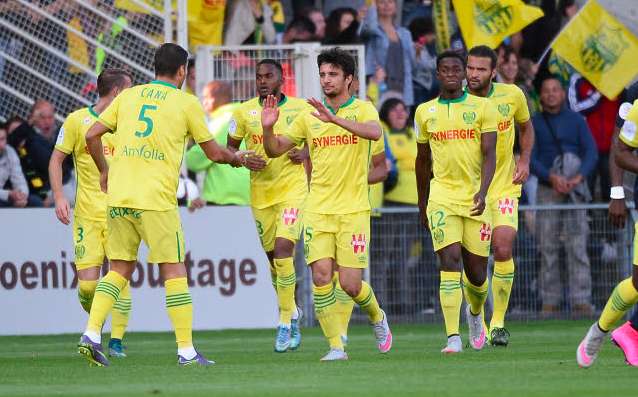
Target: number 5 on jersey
143, 117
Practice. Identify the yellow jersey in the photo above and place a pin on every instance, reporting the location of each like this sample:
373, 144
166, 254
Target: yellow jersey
281, 180
453, 128
90, 201
511, 108
152, 123
340, 160
375, 193
629, 131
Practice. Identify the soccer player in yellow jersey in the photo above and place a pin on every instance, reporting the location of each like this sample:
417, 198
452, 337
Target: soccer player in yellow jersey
456, 141
625, 295
151, 124
339, 134
502, 198
89, 216
278, 188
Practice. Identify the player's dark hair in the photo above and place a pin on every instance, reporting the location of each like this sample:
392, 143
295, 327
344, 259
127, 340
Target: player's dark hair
275, 63
191, 63
483, 51
169, 58
111, 78
449, 54
338, 57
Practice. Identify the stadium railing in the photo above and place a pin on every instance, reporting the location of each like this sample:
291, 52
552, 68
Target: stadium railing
56, 54
405, 276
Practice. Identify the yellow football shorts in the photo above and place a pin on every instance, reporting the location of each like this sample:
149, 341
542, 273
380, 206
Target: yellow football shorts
343, 237
160, 230
89, 239
283, 220
504, 212
450, 223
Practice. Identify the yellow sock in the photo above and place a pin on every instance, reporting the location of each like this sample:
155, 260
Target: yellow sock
179, 306
368, 303
345, 304
120, 314
286, 280
621, 300
502, 280
451, 298
106, 293
476, 295
273, 276
325, 309
86, 290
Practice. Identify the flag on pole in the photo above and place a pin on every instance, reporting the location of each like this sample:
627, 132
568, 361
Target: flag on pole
600, 48
489, 22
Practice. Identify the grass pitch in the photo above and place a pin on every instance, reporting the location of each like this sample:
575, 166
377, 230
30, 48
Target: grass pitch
540, 361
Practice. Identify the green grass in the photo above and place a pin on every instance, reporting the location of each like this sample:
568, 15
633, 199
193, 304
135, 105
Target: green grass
540, 361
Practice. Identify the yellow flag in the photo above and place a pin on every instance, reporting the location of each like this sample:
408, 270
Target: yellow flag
489, 22
600, 48
206, 27
77, 47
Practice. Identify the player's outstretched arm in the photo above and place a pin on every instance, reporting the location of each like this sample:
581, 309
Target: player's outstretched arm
274, 145
253, 163
367, 130
423, 171
378, 170
526, 143
62, 207
488, 150
222, 155
94, 143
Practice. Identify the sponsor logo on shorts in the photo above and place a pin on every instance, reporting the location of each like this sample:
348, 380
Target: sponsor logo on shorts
359, 243
438, 235
486, 232
117, 211
290, 216
80, 250
506, 206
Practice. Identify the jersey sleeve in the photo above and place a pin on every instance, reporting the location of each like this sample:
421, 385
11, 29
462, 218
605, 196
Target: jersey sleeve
420, 127
378, 146
108, 117
522, 111
488, 122
67, 136
629, 128
196, 122
369, 113
236, 125
298, 129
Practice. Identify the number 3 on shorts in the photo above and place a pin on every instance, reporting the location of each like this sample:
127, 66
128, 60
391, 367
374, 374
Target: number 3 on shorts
146, 120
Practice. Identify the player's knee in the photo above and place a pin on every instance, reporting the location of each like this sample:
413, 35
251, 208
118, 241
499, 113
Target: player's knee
321, 278
283, 248
351, 288
502, 252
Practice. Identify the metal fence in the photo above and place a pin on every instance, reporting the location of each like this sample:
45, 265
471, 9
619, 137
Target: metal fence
405, 276
54, 52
